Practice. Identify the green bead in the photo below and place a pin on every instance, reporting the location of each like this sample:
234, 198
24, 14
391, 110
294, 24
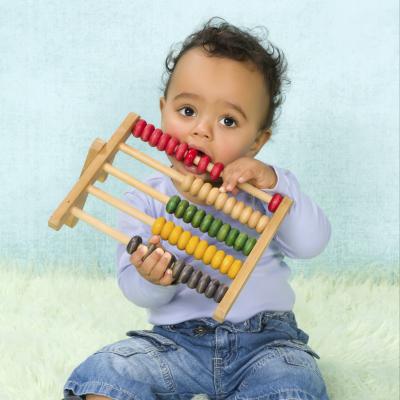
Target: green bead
180, 210
214, 228
189, 213
197, 218
240, 241
172, 204
232, 235
223, 232
206, 223
248, 246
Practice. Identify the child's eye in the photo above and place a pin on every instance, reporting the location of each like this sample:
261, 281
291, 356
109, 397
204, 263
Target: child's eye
229, 122
187, 111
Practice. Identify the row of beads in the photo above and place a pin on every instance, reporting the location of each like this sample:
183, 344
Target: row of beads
185, 273
200, 249
213, 226
228, 204
173, 147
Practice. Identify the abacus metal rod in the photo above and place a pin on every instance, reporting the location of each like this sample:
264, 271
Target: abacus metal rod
124, 177
263, 196
101, 226
151, 162
121, 205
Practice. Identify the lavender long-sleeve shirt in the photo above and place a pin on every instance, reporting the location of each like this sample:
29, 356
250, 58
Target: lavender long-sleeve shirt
303, 234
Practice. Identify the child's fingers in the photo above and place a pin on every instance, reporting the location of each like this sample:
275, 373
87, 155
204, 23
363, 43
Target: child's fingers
146, 267
231, 180
137, 255
167, 279
159, 269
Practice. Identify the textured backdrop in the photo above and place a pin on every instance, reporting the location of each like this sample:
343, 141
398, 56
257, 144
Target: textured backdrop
71, 71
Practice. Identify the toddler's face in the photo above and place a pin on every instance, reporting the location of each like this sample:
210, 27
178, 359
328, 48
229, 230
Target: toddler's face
216, 105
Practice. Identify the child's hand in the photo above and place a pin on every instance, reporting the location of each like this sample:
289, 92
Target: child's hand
246, 169
154, 267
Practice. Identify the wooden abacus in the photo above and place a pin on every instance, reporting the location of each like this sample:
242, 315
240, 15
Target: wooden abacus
98, 165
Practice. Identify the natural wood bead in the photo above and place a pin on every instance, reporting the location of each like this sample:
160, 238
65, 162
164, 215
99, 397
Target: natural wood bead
229, 204
245, 215
187, 182
220, 201
262, 223
254, 218
205, 189
237, 209
196, 186
212, 196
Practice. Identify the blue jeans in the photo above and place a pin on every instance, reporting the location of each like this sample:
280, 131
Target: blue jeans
265, 357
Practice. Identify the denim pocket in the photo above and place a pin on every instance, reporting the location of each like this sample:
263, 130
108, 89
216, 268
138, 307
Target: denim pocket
140, 342
158, 341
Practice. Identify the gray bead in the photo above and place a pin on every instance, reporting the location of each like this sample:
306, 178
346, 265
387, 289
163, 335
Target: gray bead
220, 293
151, 247
133, 244
211, 288
194, 279
203, 283
177, 269
186, 273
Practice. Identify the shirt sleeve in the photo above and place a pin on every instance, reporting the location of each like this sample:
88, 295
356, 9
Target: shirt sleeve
305, 231
135, 288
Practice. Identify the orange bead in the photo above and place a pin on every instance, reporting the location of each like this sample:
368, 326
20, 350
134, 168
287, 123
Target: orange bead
158, 225
209, 254
217, 259
234, 269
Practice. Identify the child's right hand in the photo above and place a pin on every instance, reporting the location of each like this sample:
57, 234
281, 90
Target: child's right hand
154, 267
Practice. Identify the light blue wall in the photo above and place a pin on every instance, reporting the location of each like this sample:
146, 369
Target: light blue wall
70, 72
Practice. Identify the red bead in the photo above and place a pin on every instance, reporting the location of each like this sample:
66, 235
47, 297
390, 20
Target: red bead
170, 149
190, 156
148, 130
155, 137
138, 128
181, 151
216, 171
162, 143
203, 163
275, 201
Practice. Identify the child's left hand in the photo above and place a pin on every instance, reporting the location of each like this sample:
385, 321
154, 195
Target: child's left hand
247, 169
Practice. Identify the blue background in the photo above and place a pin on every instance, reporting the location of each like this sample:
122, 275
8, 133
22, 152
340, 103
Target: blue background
71, 71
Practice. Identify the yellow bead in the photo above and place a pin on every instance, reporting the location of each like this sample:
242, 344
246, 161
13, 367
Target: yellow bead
167, 229
209, 254
183, 240
158, 225
234, 269
217, 259
175, 234
191, 246
226, 263
200, 249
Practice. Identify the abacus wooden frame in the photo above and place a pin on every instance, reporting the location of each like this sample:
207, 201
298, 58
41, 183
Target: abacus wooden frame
70, 209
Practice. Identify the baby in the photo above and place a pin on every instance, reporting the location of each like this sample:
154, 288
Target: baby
221, 97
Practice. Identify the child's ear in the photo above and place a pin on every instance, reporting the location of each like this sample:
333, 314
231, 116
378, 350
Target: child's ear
162, 103
262, 137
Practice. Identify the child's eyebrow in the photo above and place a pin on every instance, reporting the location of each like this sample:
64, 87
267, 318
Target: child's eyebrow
196, 96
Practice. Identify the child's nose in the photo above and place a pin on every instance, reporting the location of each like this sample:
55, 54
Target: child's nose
203, 131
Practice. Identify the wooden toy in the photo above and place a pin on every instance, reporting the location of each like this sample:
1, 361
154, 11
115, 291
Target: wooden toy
98, 166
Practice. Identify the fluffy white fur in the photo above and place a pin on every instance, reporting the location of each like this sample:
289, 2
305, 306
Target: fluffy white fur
52, 320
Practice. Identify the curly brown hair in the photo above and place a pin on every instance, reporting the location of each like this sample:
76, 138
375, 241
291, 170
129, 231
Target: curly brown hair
221, 39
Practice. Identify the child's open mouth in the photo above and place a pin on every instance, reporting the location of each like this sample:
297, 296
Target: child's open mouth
194, 168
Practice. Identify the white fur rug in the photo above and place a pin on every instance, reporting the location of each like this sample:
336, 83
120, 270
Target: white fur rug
50, 321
